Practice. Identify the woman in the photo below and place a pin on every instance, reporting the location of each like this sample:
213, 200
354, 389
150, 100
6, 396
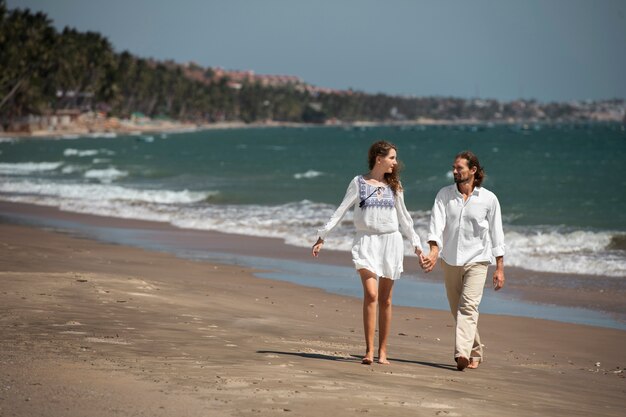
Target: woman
377, 251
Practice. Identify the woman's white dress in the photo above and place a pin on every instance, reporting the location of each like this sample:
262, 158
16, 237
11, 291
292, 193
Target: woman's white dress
379, 216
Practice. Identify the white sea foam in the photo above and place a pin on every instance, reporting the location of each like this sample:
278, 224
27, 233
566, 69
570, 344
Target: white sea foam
8, 139
551, 242
81, 153
542, 249
90, 193
107, 175
585, 252
25, 168
297, 223
309, 174
87, 152
70, 169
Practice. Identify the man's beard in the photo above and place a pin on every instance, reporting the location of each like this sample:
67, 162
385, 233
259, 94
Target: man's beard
460, 180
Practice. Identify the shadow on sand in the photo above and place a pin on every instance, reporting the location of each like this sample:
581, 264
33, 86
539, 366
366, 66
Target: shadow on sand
356, 359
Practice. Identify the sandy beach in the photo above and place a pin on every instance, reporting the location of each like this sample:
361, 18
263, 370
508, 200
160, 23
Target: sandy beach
90, 328
605, 294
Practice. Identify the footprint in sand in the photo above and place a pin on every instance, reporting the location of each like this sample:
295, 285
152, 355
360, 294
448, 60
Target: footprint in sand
443, 409
111, 340
145, 286
436, 405
69, 323
141, 294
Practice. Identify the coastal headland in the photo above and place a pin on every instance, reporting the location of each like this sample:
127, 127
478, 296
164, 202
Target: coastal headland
50, 88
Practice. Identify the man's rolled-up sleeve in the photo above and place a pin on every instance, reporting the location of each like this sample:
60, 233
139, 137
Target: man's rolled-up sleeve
496, 231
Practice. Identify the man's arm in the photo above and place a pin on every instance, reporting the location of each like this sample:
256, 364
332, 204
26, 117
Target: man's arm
495, 229
497, 243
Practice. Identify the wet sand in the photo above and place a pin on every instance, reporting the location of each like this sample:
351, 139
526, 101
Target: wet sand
599, 293
89, 328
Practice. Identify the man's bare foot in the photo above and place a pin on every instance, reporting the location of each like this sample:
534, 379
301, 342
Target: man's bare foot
473, 364
462, 362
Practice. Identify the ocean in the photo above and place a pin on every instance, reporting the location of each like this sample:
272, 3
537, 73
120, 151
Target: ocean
561, 187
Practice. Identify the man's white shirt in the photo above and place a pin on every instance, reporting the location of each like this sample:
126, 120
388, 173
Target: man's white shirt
467, 231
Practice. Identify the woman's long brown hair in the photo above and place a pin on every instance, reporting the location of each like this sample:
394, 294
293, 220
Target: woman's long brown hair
382, 148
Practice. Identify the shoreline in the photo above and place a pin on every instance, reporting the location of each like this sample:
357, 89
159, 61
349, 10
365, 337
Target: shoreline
172, 127
91, 328
595, 293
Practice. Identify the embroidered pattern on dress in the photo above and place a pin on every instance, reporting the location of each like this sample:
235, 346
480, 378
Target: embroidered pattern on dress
384, 198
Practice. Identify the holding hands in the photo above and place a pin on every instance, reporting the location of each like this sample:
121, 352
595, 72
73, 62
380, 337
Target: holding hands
428, 262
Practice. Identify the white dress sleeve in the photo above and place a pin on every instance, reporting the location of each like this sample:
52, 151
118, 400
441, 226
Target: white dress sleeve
406, 222
350, 199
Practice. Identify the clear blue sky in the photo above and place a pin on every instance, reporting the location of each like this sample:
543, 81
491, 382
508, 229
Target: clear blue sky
543, 49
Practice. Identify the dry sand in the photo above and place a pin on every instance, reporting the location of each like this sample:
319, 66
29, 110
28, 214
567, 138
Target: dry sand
90, 329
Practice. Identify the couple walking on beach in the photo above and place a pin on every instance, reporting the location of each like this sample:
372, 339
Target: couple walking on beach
465, 231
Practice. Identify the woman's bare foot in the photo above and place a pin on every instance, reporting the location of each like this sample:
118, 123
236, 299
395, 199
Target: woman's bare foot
368, 359
473, 364
382, 358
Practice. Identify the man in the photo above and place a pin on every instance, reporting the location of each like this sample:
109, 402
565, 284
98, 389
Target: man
466, 226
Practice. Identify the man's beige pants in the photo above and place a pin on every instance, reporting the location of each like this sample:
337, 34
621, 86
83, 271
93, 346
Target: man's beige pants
464, 286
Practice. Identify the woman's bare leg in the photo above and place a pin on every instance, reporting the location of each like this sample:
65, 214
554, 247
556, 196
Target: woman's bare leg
385, 289
370, 298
